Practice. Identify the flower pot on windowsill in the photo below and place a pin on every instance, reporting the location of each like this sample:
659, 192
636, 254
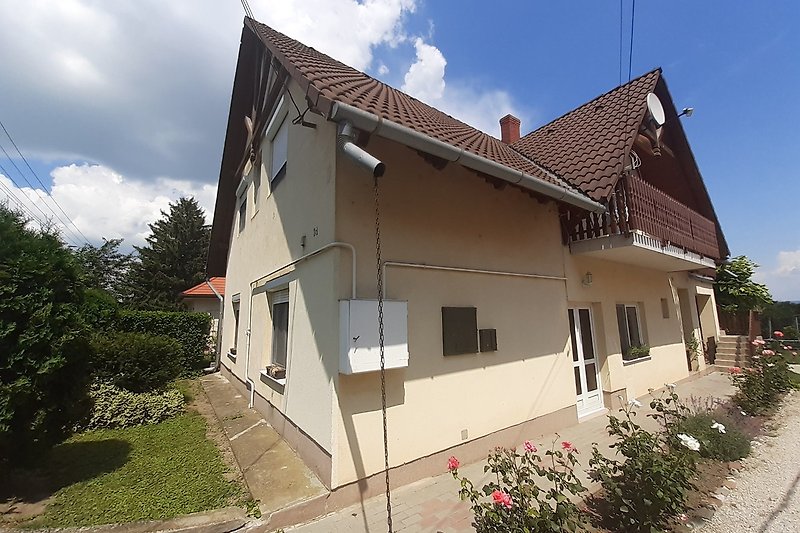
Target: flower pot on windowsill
276, 372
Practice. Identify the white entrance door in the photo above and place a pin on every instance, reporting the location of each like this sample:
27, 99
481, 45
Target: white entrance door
584, 361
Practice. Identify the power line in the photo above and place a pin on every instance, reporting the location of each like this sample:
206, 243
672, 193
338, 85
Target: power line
40, 182
247, 10
12, 195
630, 54
38, 192
620, 42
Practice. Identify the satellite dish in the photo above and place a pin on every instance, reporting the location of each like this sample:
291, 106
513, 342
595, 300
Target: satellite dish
656, 109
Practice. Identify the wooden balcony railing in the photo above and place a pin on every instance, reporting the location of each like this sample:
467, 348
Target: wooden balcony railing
638, 205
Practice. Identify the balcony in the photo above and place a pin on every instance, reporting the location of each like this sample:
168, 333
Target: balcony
646, 227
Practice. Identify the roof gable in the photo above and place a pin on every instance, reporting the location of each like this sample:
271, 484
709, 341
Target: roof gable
588, 145
202, 290
326, 80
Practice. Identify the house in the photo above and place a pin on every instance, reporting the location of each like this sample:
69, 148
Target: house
529, 281
207, 297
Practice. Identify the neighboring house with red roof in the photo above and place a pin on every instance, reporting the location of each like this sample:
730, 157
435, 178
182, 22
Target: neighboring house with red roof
529, 281
205, 298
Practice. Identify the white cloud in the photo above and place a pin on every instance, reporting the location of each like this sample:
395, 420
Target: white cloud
383, 70
425, 77
144, 87
478, 107
104, 204
783, 280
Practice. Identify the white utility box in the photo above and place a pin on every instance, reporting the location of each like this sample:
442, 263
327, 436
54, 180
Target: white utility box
360, 351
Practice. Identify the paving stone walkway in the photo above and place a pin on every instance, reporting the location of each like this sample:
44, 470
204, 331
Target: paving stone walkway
432, 504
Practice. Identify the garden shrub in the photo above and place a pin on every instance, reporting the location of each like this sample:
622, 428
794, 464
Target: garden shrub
650, 486
115, 407
762, 386
99, 309
138, 362
720, 438
518, 503
44, 345
189, 329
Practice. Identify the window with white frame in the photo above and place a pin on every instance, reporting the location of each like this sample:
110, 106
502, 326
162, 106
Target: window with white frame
630, 332
235, 327
242, 212
279, 150
279, 304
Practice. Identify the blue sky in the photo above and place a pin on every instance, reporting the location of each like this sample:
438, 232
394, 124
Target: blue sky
146, 110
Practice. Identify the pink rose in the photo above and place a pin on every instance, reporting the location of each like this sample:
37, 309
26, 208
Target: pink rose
794, 353
788, 347
767, 353
530, 447
758, 342
736, 370
501, 498
453, 464
568, 447
778, 334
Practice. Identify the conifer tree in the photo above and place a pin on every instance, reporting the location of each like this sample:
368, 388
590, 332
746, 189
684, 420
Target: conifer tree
173, 259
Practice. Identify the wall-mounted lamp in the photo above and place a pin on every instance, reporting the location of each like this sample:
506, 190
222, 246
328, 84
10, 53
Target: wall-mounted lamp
686, 111
587, 280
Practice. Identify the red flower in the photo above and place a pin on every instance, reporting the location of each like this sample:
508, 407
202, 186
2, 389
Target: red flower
778, 334
501, 498
568, 447
453, 464
736, 370
530, 447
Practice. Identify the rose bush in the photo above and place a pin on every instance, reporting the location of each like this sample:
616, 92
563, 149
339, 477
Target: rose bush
518, 501
649, 487
760, 387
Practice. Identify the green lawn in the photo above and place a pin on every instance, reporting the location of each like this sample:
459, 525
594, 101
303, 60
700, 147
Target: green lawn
142, 473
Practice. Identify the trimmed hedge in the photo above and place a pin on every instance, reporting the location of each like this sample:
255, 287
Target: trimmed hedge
189, 329
138, 362
115, 407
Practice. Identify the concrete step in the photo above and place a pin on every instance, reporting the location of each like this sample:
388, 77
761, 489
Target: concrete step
731, 343
731, 351
730, 364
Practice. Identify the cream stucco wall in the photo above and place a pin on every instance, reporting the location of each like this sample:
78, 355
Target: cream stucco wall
452, 218
295, 218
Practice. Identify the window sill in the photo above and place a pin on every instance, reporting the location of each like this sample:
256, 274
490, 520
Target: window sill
232, 357
269, 379
627, 362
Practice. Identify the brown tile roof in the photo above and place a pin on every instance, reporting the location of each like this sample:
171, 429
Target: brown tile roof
326, 80
201, 290
588, 145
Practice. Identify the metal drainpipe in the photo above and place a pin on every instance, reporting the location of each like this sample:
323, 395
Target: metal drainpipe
218, 346
345, 141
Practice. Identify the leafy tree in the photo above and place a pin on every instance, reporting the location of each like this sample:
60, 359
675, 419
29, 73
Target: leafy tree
105, 267
174, 258
735, 289
44, 346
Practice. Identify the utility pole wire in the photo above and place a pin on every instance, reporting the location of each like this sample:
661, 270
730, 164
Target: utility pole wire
12, 195
49, 193
38, 193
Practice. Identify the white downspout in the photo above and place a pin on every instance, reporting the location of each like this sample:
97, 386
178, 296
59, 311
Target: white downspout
254, 285
218, 347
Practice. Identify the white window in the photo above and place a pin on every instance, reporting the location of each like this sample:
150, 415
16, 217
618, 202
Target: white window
630, 332
256, 184
235, 327
279, 301
242, 213
279, 149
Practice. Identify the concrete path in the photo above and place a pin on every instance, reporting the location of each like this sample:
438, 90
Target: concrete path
432, 504
275, 475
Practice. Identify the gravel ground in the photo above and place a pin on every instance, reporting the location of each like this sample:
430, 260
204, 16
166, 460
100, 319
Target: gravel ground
766, 498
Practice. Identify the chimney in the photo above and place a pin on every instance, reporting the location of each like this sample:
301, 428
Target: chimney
509, 129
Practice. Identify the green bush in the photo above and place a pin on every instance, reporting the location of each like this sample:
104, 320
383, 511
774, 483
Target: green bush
138, 362
189, 329
99, 309
114, 407
650, 486
762, 386
528, 493
719, 437
43, 342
